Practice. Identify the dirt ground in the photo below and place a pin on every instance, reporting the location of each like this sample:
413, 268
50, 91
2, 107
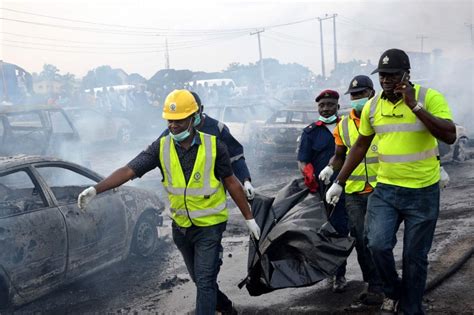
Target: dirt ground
161, 284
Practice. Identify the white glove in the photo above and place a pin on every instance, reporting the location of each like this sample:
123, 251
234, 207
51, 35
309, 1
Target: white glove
85, 197
253, 228
326, 174
444, 178
333, 194
249, 190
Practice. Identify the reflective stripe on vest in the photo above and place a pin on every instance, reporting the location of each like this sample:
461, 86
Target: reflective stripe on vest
199, 213
200, 200
408, 157
207, 190
362, 178
366, 171
407, 150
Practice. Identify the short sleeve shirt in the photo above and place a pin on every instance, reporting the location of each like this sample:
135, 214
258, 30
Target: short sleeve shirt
435, 103
149, 159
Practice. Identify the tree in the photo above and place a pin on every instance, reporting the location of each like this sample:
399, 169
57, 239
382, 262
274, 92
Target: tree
50, 72
101, 76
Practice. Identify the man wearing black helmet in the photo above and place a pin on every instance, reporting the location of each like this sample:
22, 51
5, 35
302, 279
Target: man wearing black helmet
408, 119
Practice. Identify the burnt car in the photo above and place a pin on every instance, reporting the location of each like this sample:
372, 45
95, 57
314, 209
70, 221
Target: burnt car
37, 130
276, 140
47, 241
97, 126
241, 119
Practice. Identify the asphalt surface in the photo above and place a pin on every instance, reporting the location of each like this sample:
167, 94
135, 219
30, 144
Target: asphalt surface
161, 285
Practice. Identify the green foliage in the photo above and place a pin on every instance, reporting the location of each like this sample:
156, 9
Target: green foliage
102, 76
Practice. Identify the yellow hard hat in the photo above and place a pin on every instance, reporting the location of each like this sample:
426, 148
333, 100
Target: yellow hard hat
179, 104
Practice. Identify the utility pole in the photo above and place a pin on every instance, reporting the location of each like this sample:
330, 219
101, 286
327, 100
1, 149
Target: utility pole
471, 27
335, 43
422, 37
323, 70
321, 19
167, 55
262, 73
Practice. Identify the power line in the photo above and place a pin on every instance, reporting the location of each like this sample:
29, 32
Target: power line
115, 45
79, 28
200, 44
182, 32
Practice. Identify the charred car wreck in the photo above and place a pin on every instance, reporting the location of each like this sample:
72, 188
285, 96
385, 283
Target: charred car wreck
47, 241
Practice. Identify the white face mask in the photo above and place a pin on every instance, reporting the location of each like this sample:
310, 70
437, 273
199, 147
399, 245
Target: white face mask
328, 120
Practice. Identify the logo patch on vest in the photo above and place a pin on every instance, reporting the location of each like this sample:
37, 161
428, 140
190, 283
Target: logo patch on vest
173, 107
197, 177
374, 148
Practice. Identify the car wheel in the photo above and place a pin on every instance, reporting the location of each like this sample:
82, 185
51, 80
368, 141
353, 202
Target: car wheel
145, 236
124, 135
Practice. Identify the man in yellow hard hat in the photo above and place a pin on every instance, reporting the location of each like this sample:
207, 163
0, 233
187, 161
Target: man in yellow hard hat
196, 171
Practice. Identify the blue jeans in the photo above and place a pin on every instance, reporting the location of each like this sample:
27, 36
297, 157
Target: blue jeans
356, 206
202, 252
339, 221
418, 208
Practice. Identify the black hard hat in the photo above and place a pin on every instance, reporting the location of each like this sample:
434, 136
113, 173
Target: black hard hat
360, 83
197, 98
392, 61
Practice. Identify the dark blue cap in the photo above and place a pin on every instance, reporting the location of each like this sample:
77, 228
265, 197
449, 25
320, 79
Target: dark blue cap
360, 83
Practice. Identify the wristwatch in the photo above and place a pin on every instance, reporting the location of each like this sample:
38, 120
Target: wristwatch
417, 107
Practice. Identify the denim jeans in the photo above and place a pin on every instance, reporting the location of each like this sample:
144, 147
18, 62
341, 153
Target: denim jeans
340, 223
202, 252
356, 206
418, 208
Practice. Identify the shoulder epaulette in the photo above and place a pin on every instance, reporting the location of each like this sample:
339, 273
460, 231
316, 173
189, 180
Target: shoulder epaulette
310, 127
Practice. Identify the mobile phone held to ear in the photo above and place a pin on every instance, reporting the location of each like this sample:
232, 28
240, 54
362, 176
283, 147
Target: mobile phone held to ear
404, 76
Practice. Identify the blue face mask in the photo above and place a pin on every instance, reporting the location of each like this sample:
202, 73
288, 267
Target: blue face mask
358, 105
197, 120
180, 136
328, 120
183, 135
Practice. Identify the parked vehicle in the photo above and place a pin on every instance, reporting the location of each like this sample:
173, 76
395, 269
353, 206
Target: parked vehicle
242, 120
43, 130
97, 126
47, 241
276, 140
292, 97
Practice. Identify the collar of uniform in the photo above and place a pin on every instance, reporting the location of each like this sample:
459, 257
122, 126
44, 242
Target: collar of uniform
196, 140
321, 123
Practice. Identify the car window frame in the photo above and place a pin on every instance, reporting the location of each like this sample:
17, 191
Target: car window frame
39, 185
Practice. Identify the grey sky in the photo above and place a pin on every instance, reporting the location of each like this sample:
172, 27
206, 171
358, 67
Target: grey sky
364, 30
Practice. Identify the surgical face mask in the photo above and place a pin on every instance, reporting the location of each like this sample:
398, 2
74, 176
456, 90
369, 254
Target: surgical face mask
183, 135
359, 104
328, 120
197, 120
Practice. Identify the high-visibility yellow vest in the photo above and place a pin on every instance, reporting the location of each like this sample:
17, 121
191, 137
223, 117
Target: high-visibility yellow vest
407, 151
202, 201
366, 171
